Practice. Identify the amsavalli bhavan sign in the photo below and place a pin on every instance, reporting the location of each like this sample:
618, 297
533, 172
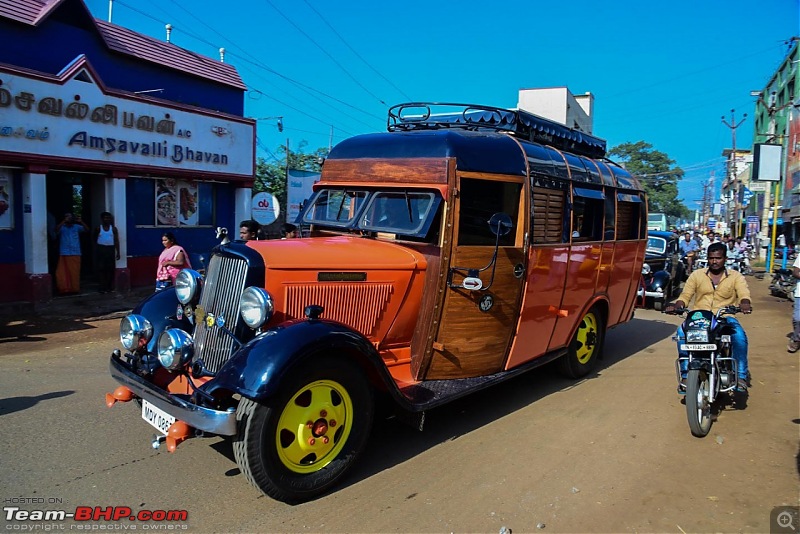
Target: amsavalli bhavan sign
75, 119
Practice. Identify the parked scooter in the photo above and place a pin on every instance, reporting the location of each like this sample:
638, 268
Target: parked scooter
711, 369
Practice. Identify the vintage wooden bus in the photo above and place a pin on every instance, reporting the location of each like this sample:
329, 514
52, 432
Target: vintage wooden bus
460, 248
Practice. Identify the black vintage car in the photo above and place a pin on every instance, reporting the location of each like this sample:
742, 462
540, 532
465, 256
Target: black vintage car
663, 269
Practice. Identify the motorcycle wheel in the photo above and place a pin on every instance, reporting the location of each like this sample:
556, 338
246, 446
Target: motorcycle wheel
698, 409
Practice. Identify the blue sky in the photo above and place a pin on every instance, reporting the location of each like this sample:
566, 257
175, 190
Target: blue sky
664, 73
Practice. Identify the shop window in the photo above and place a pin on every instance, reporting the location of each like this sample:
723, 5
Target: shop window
6, 201
175, 203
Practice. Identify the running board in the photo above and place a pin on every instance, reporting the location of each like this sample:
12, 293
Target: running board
432, 393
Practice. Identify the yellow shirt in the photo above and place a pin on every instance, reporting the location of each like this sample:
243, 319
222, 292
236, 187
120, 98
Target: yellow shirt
732, 288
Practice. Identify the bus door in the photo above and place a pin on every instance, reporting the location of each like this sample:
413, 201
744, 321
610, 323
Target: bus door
480, 308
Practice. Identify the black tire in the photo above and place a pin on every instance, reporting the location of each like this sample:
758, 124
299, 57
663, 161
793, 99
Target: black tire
585, 347
658, 304
698, 409
296, 466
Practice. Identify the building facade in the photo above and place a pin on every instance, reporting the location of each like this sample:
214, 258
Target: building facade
777, 121
94, 118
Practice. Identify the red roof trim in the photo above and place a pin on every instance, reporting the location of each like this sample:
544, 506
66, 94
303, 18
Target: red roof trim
82, 63
130, 43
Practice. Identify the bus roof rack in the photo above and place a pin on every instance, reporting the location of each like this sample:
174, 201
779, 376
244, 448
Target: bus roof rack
412, 116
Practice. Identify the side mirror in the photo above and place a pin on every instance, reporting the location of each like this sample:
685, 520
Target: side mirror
500, 224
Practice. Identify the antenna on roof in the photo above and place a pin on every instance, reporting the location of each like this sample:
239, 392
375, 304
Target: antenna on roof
110, 9
169, 30
222, 55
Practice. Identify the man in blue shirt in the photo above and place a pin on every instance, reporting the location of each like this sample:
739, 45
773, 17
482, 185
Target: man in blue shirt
68, 271
689, 248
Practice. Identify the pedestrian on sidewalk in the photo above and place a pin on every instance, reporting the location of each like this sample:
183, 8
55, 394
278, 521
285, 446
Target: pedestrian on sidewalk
794, 340
68, 271
106, 239
172, 259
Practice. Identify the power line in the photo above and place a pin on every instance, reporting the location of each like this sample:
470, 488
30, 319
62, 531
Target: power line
259, 64
327, 54
355, 52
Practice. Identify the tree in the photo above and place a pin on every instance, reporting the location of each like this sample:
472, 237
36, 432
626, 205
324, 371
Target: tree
659, 178
271, 176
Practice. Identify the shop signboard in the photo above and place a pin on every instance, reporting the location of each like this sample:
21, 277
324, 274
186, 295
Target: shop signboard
71, 116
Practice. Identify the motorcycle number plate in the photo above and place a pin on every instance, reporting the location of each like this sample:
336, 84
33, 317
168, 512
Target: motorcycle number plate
698, 346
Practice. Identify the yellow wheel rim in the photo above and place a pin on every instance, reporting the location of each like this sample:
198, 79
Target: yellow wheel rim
586, 338
314, 426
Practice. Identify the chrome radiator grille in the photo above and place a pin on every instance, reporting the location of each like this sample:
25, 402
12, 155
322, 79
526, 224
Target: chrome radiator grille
222, 288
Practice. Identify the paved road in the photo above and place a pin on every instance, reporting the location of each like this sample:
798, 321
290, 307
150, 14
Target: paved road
612, 453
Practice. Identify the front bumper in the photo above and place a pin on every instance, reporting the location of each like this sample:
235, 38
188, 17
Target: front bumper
199, 417
659, 293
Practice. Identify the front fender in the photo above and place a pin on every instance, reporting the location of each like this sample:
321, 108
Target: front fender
257, 369
159, 308
660, 280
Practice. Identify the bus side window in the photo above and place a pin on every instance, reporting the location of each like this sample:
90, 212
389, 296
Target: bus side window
610, 218
587, 216
548, 215
629, 220
480, 199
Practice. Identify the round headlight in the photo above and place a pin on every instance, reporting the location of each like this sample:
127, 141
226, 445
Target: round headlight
645, 269
186, 285
256, 306
135, 331
175, 348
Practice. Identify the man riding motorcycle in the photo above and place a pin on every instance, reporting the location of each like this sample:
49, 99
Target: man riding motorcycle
689, 248
713, 288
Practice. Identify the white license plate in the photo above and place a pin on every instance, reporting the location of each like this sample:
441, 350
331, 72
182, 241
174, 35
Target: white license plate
698, 346
157, 417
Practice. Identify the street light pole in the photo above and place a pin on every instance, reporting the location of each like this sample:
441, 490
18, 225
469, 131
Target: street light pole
733, 126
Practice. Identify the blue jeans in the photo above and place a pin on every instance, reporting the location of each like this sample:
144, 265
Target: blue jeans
796, 320
738, 347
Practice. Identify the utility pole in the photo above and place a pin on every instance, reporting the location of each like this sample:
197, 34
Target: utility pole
732, 172
287, 162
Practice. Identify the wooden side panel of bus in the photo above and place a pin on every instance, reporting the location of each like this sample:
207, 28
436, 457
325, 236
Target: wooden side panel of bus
397, 170
435, 288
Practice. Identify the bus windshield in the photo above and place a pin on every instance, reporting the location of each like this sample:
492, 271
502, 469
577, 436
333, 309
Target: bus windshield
401, 212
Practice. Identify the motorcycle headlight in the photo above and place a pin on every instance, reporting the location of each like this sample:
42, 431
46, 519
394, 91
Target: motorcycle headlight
645, 269
175, 348
697, 336
187, 284
256, 306
135, 331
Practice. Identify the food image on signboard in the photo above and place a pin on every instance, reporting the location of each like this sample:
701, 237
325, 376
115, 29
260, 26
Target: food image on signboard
3, 200
188, 205
166, 209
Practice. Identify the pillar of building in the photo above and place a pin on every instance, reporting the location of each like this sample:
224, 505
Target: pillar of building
242, 210
116, 200
34, 228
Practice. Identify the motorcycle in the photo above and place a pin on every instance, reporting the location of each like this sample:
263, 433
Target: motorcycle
783, 284
711, 369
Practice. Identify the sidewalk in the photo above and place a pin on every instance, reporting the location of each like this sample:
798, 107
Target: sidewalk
18, 320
